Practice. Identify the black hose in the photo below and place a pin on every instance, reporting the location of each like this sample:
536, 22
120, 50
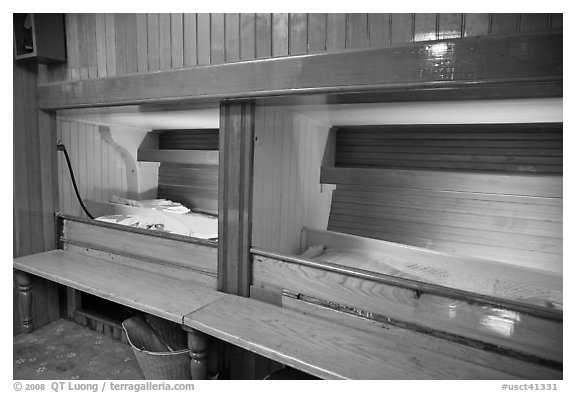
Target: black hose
63, 148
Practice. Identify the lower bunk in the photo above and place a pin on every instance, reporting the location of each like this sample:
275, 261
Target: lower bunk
481, 307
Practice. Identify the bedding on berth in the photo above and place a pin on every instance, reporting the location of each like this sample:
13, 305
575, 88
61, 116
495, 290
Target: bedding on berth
164, 215
380, 263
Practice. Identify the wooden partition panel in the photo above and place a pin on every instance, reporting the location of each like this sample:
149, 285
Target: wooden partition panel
536, 336
170, 255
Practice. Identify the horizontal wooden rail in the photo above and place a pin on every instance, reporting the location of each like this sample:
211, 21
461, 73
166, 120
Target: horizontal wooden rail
548, 186
452, 64
200, 157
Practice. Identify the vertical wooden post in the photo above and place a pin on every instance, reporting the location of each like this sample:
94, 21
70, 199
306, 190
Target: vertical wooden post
235, 197
198, 345
24, 282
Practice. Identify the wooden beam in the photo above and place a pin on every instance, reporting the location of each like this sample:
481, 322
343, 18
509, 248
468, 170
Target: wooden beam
548, 186
454, 63
235, 197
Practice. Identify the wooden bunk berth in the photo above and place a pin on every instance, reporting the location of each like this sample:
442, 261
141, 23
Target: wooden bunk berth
345, 322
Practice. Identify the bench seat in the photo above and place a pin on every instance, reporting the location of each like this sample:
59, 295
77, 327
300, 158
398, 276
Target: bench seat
165, 297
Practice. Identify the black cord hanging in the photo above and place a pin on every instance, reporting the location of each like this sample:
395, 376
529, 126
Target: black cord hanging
63, 148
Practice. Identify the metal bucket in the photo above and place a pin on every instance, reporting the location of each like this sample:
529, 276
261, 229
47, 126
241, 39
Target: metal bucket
159, 346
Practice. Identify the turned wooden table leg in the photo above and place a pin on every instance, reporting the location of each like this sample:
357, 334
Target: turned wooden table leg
24, 282
198, 345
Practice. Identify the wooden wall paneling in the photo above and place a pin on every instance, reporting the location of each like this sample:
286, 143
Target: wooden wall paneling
100, 20
425, 27
476, 25
379, 30
504, 24
534, 23
190, 40
83, 44
110, 45
72, 51
258, 178
298, 34
177, 40
247, 36
449, 26
91, 46
265, 204
203, 38
121, 44
165, 41
153, 42
141, 43
556, 21
357, 31
317, 32
217, 39
232, 37
402, 28
336, 32
263, 35
131, 44
280, 26
276, 180
235, 197
21, 186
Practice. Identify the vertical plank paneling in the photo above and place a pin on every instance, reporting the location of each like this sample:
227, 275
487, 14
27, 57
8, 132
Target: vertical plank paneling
263, 35
336, 32
142, 42
357, 31
97, 165
131, 44
267, 197
110, 45
476, 25
402, 28
247, 36
504, 24
83, 44
298, 40
190, 52
279, 35
425, 27
177, 40
121, 47
317, 33
379, 30
285, 186
449, 26
73, 56
217, 54
60, 167
91, 37
203, 38
164, 41
153, 42
232, 34
556, 21
533, 23
101, 45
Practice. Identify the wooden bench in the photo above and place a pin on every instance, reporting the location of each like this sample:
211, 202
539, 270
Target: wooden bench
320, 347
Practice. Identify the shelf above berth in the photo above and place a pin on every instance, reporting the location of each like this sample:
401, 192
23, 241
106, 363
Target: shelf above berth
197, 157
